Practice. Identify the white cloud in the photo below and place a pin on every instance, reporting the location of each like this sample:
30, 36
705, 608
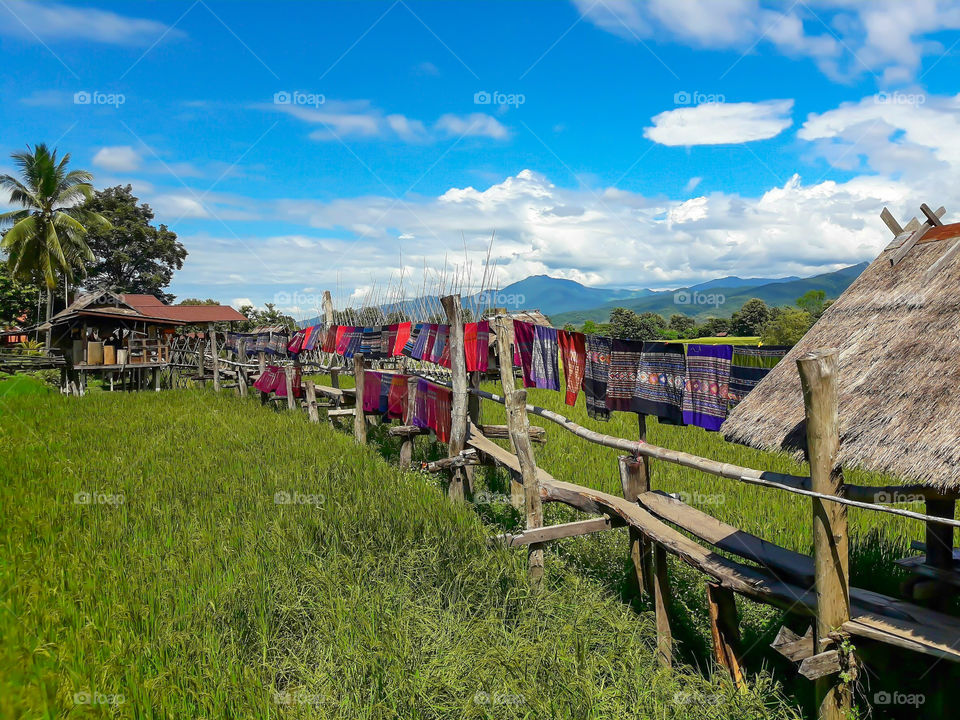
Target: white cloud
720, 123
119, 158
472, 125
844, 37
692, 184
56, 21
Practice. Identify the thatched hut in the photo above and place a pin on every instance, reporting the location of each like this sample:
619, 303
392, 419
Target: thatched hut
897, 329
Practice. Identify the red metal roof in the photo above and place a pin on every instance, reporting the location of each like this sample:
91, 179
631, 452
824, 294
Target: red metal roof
149, 305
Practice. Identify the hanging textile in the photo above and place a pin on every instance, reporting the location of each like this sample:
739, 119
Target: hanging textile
706, 391
523, 336
596, 372
749, 365
310, 336
660, 382
349, 341
295, 381
267, 382
370, 340
543, 371
574, 354
296, 342
388, 340
476, 342
431, 330
439, 344
330, 339
416, 331
420, 415
371, 391
263, 340
397, 397
625, 360
439, 407
401, 338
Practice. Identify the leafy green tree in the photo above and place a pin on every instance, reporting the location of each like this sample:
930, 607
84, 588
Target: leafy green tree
813, 302
750, 319
47, 239
787, 327
197, 301
132, 256
589, 328
684, 325
625, 323
268, 316
713, 327
17, 300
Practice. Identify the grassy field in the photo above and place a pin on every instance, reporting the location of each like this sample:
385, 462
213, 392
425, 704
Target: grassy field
181, 555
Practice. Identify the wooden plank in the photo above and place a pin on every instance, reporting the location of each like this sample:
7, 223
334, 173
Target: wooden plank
661, 606
564, 530
329, 392
634, 481
917, 235
831, 560
215, 356
508, 383
502, 432
459, 485
821, 665
288, 372
725, 630
792, 646
312, 411
932, 217
890, 221
944, 260
359, 425
520, 434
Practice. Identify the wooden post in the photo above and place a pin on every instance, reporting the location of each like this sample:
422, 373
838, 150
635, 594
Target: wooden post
311, 394
724, 627
505, 360
359, 421
818, 377
262, 361
459, 486
200, 353
406, 449
288, 373
242, 381
156, 379
214, 354
635, 482
328, 319
661, 607
519, 424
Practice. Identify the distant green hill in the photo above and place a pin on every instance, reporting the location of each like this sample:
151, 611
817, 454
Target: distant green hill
718, 301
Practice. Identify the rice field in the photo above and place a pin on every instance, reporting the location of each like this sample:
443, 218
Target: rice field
185, 555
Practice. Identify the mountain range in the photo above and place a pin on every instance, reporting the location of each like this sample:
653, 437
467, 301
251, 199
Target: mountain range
567, 301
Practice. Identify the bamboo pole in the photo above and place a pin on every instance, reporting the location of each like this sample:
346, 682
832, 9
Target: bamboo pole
459, 483
213, 354
359, 421
311, 397
818, 377
505, 361
520, 433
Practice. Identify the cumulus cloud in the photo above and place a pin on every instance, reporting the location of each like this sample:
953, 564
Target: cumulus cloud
844, 37
119, 158
720, 123
55, 21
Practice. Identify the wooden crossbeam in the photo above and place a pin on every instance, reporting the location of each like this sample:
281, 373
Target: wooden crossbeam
915, 237
564, 530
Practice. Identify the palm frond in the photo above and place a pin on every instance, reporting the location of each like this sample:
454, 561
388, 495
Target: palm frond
13, 217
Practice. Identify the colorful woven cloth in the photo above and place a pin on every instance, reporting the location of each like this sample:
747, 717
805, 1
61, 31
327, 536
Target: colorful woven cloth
296, 342
397, 396
439, 407
267, 382
330, 339
706, 390
431, 330
349, 344
523, 337
596, 372
310, 336
280, 389
415, 335
749, 365
370, 342
419, 417
400, 338
574, 354
544, 371
263, 340
660, 381
388, 340
625, 358
440, 345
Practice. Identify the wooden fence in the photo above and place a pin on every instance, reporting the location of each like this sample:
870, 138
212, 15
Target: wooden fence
659, 525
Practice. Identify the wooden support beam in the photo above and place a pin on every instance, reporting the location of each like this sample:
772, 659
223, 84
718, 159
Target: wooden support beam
942, 262
201, 351
725, 630
311, 396
891, 222
792, 646
288, 373
214, 354
821, 665
818, 378
932, 218
564, 530
508, 383
467, 457
635, 482
359, 422
406, 449
520, 433
502, 432
242, 382
459, 482
661, 607
939, 551
900, 253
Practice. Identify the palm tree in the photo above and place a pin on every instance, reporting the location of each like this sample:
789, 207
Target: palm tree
46, 239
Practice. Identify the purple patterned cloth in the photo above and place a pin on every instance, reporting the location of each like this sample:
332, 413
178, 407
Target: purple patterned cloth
546, 350
706, 392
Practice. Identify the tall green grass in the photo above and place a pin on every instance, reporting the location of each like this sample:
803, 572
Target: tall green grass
146, 570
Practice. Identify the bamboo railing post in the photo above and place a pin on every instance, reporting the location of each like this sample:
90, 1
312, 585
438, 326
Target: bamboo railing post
359, 421
635, 482
406, 449
459, 482
818, 377
213, 354
288, 372
328, 319
520, 432
311, 397
505, 361
201, 351
661, 606
725, 629
242, 382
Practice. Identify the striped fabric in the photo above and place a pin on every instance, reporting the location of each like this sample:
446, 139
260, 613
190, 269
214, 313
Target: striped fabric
706, 390
660, 381
749, 365
595, 376
543, 371
625, 357
574, 354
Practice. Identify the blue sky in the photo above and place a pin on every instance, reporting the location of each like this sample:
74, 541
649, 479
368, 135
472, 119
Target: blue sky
301, 146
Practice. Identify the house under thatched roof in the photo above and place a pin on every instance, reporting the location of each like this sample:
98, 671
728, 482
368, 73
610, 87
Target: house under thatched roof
897, 329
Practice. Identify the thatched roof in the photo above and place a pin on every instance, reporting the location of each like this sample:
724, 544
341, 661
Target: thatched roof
897, 329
